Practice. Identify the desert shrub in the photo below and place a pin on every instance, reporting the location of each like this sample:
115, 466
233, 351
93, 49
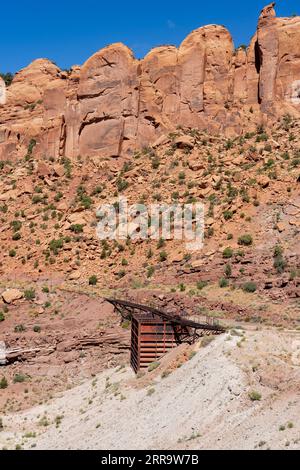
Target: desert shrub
76, 228
163, 256
122, 184
67, 166
245, 240
153, 366
19, 378
16, 225
7, 77
229, 144
201, 284
58, 196
97, 190
19, 328
126, 324
86, 201
254, 396
249, 287
29, 294
287, 119
56, 245
16, 236
227, 215
223, 282
93, 280
228, 253
150, 271
155, 162
37, 198
279, 261
2, 316
228, 270
3, 383
161, 243
280, 264
262, 138
121, 274
37, 329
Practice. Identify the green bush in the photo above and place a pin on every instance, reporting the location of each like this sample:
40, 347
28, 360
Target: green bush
122, 184
56, 245
3, 383
249, 287
228, 270
161, 243
16, 236
163, 256
228, 215
201, 284
254, 396
150, 271
153, 366
86, 201
37, 198
20, 328
228, 253
280, 264
245, 240
16, 225
7, 77
93, 280
223, 282
29, 294
19, 378
76, 228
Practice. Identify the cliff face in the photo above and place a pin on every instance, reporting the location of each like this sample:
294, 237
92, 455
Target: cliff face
115, 103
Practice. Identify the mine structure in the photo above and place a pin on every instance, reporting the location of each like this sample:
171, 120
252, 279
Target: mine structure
155, 332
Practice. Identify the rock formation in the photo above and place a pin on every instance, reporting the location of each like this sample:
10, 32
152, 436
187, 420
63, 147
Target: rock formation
114, 103
2, 92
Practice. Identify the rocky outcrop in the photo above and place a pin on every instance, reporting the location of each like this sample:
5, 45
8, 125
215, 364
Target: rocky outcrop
115, 103
2, 92
11, 295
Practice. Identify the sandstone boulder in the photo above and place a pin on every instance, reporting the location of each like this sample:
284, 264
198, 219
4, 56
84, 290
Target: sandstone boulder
11, 295
184, 141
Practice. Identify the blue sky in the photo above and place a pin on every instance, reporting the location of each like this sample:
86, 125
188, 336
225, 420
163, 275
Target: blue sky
68, 32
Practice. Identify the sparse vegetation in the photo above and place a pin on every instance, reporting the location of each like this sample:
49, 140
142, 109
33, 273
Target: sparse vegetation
29, 294
255, 396
3, 383
93, 280
245, 240
250, 287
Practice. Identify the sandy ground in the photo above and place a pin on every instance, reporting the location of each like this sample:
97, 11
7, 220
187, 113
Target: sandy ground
204, 404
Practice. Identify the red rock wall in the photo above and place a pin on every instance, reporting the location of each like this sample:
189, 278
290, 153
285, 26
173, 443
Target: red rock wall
115, 103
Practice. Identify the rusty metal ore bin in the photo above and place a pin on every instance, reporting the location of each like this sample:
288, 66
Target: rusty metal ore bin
154, 332
151, 338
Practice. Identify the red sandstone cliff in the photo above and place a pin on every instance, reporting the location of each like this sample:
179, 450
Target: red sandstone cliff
115, 103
